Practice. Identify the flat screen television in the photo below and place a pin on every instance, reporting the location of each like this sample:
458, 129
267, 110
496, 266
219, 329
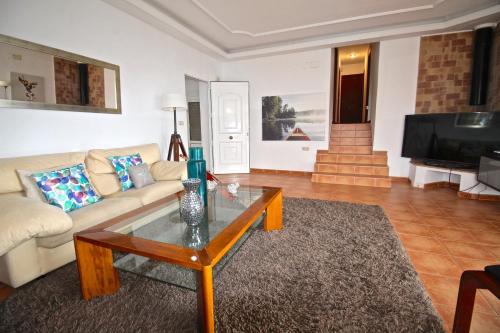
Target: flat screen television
452, 139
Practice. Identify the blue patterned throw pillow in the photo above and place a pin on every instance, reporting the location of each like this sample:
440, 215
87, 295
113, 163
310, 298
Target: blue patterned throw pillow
121, 164
68, 188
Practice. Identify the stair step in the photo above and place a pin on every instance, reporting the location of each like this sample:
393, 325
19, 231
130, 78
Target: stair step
343, 141
351, 134
350, 179
352, 127
325, 156
350, 149
350, 162
375, 152
356, 169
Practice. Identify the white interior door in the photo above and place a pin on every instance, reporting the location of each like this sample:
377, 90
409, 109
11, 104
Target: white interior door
230, 127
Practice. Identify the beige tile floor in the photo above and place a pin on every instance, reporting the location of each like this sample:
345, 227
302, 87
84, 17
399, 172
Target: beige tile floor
443, 234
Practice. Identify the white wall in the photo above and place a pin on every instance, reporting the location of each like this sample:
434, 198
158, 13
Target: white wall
151, 64
304, 72
351, 69
372, 89
396, 94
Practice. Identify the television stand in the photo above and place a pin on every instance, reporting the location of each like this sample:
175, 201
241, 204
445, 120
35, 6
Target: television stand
449, 164
429, 176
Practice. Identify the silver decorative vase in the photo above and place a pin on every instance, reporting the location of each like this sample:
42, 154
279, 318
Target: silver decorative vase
191, 203
192, 237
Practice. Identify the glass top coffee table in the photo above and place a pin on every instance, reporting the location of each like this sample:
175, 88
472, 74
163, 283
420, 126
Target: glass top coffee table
155, 242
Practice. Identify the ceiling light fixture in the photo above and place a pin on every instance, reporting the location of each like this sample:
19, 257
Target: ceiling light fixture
352, 55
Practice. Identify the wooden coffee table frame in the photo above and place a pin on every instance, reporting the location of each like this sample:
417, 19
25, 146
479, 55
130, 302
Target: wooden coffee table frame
94, 248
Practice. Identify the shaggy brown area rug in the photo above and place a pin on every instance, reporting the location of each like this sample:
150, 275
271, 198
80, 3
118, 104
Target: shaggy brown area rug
336, 267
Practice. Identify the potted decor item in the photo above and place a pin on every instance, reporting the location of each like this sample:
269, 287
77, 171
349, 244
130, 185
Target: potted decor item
196, 237
197, 168
192, 237
192, 208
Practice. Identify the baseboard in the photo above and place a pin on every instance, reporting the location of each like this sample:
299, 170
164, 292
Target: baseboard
431, 186
281, 172
404, 180
462, 195
476, 196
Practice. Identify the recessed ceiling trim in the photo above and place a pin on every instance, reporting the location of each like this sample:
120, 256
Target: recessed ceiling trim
366, 37
168, 21
172, 27
313, 25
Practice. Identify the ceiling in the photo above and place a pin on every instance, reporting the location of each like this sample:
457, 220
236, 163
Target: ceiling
353, 54
245, 28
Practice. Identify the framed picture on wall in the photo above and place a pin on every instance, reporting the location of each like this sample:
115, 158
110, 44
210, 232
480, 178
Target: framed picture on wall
297, 117
27, 87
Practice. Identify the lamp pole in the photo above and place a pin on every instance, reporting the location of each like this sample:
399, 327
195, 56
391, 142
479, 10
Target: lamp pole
175, 120
172, 101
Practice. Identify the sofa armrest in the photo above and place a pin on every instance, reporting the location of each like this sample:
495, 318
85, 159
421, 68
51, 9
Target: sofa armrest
24, 218
169, 170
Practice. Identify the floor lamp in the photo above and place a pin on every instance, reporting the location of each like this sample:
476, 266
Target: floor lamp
172, 102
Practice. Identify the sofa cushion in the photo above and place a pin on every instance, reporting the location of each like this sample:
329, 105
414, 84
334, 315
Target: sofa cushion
24, 218
30, 187
169, 170
121, 165
9, 181
97, 159
151, 192
12, 194
105, 183
68, 188
140, 175
89, 216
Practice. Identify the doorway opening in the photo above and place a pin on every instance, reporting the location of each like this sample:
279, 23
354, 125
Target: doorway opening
198, 117
351, 84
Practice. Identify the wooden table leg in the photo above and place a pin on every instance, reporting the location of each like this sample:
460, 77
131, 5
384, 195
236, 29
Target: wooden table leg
98, 277
206, 300
470, 281
274, 214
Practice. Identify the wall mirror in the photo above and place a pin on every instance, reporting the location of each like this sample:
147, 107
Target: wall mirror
39, 77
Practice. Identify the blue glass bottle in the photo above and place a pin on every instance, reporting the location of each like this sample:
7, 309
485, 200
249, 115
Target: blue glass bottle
197, 168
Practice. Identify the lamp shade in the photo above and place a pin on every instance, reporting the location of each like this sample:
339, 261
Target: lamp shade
4, 83
170, 101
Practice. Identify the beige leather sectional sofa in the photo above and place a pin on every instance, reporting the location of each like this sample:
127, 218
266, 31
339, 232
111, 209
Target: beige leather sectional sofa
36, 238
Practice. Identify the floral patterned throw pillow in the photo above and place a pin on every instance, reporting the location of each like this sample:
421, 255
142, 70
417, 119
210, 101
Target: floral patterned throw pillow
67, 188
121, 164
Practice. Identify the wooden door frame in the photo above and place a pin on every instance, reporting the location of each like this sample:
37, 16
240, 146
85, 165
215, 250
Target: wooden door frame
209, 120
336, 86
364, 115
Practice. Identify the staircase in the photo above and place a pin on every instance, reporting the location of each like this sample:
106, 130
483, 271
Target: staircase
350, 159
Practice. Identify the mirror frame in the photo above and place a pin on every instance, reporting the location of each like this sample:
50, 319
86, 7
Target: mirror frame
7, 103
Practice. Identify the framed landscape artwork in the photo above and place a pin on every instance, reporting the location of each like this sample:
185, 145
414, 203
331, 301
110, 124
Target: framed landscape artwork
298, 117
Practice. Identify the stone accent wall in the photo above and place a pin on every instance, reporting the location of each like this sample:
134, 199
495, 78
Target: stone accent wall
444, 74
96, 86
67, 81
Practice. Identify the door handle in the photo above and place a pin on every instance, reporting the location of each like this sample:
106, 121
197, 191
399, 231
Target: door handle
230, 137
